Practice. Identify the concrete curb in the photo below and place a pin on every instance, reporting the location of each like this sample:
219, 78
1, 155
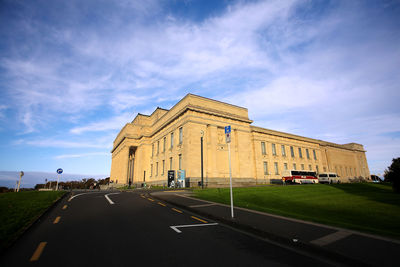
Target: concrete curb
34, 222
307, 247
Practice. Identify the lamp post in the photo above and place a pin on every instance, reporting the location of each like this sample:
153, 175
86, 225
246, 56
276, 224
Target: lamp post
201, 144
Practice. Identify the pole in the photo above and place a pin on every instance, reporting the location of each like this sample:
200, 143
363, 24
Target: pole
202, 180
20, 177
58, 178
230, 176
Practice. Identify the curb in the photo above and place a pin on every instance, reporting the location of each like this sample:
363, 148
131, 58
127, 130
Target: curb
310, 248
34, 221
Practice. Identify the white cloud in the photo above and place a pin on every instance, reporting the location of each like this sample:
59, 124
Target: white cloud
3, 108
82, 155
114, 123
98, 143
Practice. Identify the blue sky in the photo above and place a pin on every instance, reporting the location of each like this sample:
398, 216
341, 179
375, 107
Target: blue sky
72, 73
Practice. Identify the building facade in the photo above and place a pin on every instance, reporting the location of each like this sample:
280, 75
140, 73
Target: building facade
150, 145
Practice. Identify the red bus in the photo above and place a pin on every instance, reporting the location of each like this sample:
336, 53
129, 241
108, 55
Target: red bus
300, 177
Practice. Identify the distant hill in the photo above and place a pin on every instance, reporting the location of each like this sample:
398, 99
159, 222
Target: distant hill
30, 179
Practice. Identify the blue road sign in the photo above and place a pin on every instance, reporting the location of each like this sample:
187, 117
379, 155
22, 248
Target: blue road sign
59, 170
227, 129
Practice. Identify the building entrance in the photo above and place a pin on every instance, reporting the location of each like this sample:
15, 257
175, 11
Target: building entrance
131, 165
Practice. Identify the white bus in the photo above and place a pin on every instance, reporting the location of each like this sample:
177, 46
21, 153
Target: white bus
300, 177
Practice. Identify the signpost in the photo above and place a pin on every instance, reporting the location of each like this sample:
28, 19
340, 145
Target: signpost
59, 171
228, 141
20, 177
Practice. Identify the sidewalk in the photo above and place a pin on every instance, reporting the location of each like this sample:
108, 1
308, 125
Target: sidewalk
341, 245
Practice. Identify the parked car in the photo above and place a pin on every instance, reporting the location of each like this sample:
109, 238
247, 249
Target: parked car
328, 178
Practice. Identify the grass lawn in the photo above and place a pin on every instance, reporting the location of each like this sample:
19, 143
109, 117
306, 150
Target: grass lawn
366, 207
18, 210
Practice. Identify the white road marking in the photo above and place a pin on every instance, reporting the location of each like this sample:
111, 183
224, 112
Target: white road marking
71, 198
203, 205
175, 227
328, 239
300, 221
109, 200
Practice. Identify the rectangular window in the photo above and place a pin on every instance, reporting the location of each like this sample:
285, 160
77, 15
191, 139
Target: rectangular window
170, 163
273, 150
300, 154
158, 147
263, 150
180, 161
172, 140
302, 167
324, 169
164, 144
265, 168
292, 152
151, 170
294, 166
283, 150
163, 167
316, 168
309, 167
307, 154
156, 168
152, 150
285, 166
276, 168
180, 135
315, 154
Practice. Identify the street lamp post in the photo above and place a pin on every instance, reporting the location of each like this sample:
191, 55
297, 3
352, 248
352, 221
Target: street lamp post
201, 143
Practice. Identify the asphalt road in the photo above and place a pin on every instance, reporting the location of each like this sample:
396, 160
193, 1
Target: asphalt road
136, 230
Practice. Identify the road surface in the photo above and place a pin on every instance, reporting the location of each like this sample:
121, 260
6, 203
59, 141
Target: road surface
105, 228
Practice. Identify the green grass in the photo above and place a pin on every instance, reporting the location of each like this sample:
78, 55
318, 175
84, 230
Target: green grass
19, 210
366, 207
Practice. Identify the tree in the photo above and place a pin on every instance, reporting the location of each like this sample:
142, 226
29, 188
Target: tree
392, 175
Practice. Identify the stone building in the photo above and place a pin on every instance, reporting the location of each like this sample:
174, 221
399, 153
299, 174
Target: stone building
150, 145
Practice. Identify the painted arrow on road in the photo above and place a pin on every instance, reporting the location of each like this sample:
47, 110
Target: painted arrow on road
175, 227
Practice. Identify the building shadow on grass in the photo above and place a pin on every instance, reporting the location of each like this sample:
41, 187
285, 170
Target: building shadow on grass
377, 192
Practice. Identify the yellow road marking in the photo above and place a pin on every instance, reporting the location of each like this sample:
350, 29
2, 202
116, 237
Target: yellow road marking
57, 219
38, 251
65, 206
150, 199
162, 204
203, 221
177, 210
